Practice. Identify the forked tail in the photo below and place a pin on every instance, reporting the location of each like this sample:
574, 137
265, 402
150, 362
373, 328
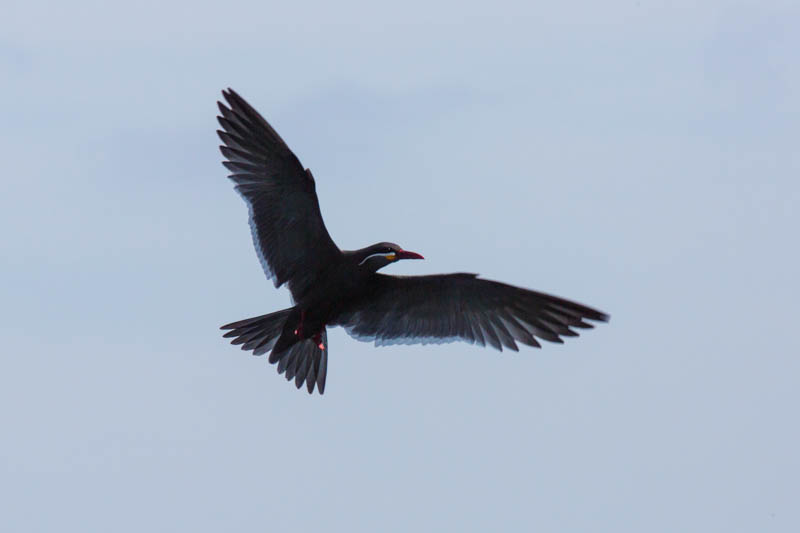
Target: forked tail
303, 361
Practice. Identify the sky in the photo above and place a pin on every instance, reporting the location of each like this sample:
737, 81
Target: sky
640, 157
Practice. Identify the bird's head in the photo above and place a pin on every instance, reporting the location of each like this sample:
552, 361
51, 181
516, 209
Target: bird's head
379, 255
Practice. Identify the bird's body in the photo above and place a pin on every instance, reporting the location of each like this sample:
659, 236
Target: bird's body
331, 287
338, 283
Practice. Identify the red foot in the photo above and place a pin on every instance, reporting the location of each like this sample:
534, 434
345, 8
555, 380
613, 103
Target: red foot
318, 340
298, 331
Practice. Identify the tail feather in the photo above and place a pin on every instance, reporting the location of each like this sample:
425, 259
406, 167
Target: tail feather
302, 361
258, 333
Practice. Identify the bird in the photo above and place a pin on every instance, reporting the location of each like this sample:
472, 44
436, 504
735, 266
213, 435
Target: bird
331, 287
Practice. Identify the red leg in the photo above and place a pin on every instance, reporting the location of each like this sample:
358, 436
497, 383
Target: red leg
298, 331
318, 340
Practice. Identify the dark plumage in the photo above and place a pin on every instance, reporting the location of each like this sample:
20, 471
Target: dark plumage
331, 287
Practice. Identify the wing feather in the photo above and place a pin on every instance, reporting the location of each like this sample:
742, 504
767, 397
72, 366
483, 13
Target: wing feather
288, 232
445, 308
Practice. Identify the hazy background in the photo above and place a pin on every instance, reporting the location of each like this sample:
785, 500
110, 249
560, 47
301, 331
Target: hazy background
641, 157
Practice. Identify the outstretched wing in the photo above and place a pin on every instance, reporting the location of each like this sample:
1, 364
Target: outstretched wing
450, 307
288, 232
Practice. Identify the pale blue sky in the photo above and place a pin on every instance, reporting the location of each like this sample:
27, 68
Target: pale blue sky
640, 157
